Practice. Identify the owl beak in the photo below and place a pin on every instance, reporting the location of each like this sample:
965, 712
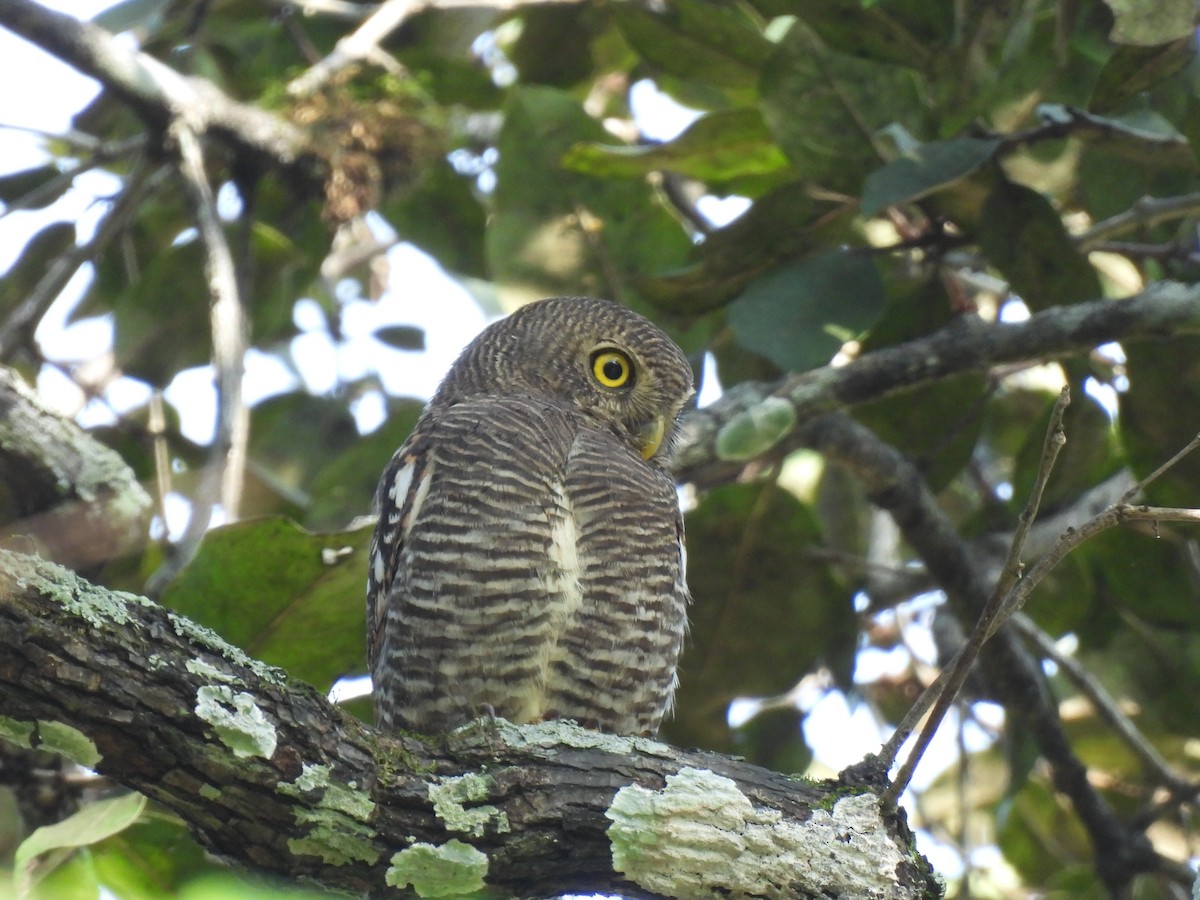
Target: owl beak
650, 436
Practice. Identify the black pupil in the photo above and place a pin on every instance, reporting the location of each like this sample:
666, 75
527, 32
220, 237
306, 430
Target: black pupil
614, 369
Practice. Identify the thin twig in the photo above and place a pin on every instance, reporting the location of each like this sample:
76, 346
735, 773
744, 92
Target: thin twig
1073, 537
1136, 250
1012, 674
337, 9
1106, 706
156, 426
891, 748
223, 477
140, 182
1167, 807
1130, 495
156, 92
1055, 439
985, 627
230, 329
1144, 213
364, 43
99, 154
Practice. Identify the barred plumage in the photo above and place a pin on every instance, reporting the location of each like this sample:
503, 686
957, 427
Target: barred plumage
528, 559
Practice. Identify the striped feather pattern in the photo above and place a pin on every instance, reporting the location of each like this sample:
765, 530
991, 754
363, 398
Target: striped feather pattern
528, 561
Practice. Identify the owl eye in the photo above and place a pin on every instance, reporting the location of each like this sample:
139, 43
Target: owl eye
612, 369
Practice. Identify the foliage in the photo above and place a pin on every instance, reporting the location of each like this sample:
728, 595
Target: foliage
907, 164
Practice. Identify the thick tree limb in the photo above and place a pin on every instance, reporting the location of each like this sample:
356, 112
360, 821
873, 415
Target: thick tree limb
269, 774
68, 496
1013, 677
968, 344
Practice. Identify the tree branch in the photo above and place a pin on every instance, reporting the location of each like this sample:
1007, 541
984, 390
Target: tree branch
947, 689
22, 320
268, 773
1105, 705
1012, 676
364, 43
706, 456
1144, 213
68, 496
158, 93
224, 476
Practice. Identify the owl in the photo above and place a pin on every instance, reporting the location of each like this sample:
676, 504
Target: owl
528, 561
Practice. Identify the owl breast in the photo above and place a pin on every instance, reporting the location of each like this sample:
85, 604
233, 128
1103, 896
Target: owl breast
537, 574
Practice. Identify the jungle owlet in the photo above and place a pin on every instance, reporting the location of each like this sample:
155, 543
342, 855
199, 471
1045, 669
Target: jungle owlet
528, 559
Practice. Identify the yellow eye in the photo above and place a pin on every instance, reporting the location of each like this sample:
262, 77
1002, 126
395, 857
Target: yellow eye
612, 369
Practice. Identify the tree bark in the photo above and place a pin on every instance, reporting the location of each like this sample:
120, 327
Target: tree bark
752, 419
268, 774
67, 495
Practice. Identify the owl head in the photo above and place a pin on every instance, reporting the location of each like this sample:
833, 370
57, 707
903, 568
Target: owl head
618, 369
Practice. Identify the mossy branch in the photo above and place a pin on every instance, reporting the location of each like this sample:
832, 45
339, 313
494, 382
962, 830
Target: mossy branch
267, 773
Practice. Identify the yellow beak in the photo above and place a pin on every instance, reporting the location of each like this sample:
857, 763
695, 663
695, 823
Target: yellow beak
651, 436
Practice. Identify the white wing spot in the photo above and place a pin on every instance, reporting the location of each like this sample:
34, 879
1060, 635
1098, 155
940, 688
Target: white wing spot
400, 485
407, 500
418, 499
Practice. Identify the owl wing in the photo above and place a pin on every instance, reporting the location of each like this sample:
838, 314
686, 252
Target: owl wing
461, 592
402, 489
614, 665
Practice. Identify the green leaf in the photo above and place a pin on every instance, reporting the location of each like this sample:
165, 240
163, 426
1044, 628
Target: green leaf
925, 169
555, 44
937, 427
1144, 135
799, 314
146, 15
1035, 812
150, 860
34, 188
907, 32
562, 233
1155, 420
1024, 237
764, 614
92, 823
697, 40
1091, 454
784, 224
825, 108
39, 255
53, 737
283, 270
755, 431
939, 423
442, 215
1107, 184
328, 429
161, 318
1132, 70
1151, 22
224, 885
284, 595
402, 337
717, 148
773, 739
1158, 668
